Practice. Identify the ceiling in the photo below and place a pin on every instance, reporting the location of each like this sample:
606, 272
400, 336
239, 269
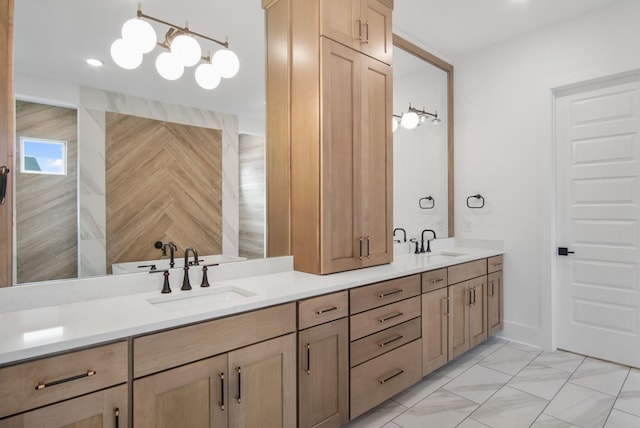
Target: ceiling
53, 38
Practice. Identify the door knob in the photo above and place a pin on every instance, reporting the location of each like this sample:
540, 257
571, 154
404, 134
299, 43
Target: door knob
564, 251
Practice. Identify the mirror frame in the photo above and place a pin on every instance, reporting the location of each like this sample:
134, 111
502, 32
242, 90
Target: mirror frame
6, 138
407, 46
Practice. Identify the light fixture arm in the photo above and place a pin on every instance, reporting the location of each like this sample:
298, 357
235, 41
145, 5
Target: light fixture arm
422, 112
185, 29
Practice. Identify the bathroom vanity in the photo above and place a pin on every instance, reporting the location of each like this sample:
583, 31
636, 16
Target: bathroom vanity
270, 347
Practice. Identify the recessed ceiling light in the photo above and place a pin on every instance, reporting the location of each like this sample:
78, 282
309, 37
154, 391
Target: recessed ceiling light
94, 62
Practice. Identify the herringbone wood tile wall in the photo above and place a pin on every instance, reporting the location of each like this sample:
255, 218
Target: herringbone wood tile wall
163, 183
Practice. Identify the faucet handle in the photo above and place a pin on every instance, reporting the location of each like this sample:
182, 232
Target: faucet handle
186, 285
166, 288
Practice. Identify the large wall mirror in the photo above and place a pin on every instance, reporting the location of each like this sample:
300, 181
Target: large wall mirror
52, 40
422, 150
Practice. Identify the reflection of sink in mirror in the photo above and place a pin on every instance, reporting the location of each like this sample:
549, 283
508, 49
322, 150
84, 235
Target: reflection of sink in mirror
211, 297
161, 264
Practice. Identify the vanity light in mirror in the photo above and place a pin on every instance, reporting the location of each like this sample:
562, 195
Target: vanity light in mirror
410, 120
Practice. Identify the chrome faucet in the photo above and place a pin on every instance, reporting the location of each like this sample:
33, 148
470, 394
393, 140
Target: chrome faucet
403, 231
172, 248
428, 250
186, 285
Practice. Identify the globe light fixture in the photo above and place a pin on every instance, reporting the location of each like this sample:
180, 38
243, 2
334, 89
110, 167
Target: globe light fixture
414, 117
125, 55
207, 76
227, 62
168, 66
186, 50
410, 120
181, 50
394, 124
140, 35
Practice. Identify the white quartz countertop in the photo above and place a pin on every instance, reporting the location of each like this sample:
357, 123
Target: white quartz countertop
36, 331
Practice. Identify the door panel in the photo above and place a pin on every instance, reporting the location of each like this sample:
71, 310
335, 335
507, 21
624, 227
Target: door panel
598, 170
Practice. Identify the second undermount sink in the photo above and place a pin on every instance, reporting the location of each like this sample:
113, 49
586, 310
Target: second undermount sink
201, 298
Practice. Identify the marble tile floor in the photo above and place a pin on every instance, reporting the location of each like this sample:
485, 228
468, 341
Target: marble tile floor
501, 384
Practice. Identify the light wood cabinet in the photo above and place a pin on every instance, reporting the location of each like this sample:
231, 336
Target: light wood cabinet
363, 25
249, 387
435, 324
193, 395
238, 371
334, 134
494, 303
468, 315
262, 384
102, 409
386, 355
37, 383
323, 376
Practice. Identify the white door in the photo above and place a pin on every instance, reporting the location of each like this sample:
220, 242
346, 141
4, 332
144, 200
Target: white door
598, 169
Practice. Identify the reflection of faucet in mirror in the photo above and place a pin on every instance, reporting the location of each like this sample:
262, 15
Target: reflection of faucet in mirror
186, 285
172, 248
428, 250
403, 231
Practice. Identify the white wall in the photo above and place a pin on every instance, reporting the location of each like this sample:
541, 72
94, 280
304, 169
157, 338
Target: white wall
504, 148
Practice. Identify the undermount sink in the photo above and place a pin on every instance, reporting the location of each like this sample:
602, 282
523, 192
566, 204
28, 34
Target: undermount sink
445, 254
203, 298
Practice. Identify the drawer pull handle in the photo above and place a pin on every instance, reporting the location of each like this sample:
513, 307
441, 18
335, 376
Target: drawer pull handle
398, 373
496, 264
390, 293
239, 396
323, 311
390, 341
390, 317
116, 414
436, 280
308, 358
221, 391
43, 385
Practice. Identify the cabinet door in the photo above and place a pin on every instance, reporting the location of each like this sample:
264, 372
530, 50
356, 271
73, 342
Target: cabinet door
323, 377
193, 395
376, 162
341, 234
494, 302
262, 384
434, 330
106, 408
458, 319
341, 21
377, 37
477, 311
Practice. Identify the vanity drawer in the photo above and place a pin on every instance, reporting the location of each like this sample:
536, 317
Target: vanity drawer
322, 309
434, 280
494, 264
48, 380
465, 271
381, 378
171, 348
383, 293
384, 341
378, 319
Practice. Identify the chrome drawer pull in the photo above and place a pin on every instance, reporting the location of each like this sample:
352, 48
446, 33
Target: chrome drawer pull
437, 280
390, 341
390, 317
390, 293
43, 385
332, 308
398, 373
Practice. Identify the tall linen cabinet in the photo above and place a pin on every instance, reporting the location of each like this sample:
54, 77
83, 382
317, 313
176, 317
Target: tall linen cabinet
329, 137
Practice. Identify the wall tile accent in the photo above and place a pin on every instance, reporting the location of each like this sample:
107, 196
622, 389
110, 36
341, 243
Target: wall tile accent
93, 105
